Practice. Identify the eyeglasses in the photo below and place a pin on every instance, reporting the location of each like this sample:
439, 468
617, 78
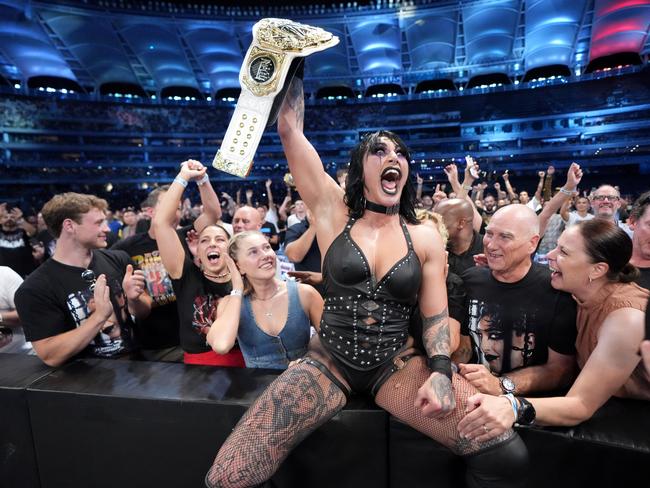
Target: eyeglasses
602, 198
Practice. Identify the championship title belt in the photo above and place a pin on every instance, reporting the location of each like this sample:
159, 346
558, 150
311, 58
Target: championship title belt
276, 43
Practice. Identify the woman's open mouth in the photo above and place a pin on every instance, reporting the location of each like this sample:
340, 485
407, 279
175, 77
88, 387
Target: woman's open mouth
390, 178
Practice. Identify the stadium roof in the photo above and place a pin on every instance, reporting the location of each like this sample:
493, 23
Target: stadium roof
116, 41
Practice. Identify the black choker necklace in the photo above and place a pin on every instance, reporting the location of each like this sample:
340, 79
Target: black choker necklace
375, 207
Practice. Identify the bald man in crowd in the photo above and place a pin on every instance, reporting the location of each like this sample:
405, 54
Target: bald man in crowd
522, 331
246, 218
464, 242
606, 202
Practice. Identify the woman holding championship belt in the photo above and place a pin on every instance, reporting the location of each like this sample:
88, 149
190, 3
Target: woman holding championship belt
377, 263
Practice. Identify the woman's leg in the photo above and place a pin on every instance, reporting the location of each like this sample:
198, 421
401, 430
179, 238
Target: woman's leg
293, 406
507, 454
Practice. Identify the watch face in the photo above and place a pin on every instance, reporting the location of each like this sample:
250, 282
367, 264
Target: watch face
507, 384
262, 69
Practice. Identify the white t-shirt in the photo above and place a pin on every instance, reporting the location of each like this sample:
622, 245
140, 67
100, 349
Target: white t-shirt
574, 218
293, 220
12, 339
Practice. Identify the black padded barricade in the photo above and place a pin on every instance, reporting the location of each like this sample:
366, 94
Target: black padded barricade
17, 459
105, 423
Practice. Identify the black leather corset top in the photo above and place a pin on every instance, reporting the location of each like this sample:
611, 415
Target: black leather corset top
365, 323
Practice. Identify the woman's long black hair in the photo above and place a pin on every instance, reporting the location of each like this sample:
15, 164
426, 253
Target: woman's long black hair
354, 197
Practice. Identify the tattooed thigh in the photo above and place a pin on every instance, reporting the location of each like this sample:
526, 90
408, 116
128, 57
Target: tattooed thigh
293, 406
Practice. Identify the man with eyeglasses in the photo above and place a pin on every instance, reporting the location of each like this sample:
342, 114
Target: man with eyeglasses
606, 202
81, 301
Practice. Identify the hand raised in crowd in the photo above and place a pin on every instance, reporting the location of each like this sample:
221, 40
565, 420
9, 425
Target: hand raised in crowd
16, 214
541, 174
505, 175
418, 179
573, 177
471, 169
451, 170
439, 194
226, 196
192, 241
38, 251
102, 300
192, 170
235, 276
487, 417
480, 260
307, 277
497, 186
133, 283
268, 183
481, 378
435, 398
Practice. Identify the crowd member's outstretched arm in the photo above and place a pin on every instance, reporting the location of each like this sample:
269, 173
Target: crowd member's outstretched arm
461, 189
170, 247
223, 331
320, 192
573, 177
211, 206
607, 369
282, 211
509, 190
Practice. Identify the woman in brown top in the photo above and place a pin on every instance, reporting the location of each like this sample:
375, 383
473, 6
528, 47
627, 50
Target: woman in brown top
591, 261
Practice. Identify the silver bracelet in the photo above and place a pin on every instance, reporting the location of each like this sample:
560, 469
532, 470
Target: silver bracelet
566, 192
237, 293
181, 181
203, 180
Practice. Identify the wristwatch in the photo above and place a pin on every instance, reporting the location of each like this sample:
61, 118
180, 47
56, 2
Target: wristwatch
526, 413
507, 385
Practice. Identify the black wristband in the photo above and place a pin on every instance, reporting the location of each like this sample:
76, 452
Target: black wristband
440, 364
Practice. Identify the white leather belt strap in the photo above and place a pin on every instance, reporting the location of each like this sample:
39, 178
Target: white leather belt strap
276, 43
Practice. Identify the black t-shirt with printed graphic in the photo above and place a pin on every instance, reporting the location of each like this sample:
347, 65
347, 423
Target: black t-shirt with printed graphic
512, 325
55, 299
197, 299
160, 329
16, 252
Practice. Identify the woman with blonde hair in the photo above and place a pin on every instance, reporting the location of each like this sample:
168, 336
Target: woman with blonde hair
269, 318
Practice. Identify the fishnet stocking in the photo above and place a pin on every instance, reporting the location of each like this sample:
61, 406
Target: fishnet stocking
293, 406
397, 396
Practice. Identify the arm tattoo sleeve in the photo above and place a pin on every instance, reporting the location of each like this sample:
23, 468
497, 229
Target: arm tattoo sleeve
435, 333
296, 100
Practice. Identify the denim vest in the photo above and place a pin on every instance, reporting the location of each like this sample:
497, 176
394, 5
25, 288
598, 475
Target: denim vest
262, 350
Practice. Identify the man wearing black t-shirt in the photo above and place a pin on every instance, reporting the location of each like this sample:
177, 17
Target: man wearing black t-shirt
158, 334
15, 250
464, 242
301, 247
521, 329
80, 302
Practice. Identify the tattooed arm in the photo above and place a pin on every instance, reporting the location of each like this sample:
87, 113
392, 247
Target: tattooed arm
435, 398
320, 192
